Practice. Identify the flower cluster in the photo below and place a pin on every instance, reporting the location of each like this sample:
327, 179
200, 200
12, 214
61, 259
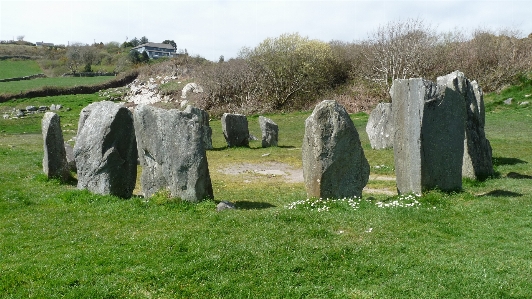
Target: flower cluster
323, 205
403, 201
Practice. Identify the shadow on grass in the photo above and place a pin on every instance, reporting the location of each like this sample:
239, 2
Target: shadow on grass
515, 175
253, 205
502, 193
498, 161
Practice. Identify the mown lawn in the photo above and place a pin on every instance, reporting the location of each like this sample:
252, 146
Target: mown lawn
18, 68
56, 241
25, 85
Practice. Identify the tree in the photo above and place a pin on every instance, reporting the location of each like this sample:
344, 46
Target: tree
291, 69
20, 38
134, 57
221, 59
400, 50
170, 42
135, 42
143, 40
73, 55
144, 57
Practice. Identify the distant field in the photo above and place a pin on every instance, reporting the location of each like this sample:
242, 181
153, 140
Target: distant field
15, 69
19, 86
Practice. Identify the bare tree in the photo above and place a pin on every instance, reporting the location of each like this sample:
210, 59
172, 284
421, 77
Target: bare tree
20, 38
400, 50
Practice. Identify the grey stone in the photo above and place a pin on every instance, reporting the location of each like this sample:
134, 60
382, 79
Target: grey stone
334, 165
270, 131
54, 163
380, 126
31, 108
195, 88
225, 205
235, 128
69, 150
20, 114
508, 101
203, 118
105, 151
477, 161
172, 153
429, 124
52, 107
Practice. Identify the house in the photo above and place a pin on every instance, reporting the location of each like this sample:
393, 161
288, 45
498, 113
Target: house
156, 50
43, 44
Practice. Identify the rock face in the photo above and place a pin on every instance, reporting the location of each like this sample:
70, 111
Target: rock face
172, 153
334, 165
380, 127
203, 118
429, 121
477, 161
270, 132
105, 150
54, 163
235, 128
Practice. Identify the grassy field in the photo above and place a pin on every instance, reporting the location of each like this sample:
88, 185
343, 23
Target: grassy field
56, 241
18, 68
19, 86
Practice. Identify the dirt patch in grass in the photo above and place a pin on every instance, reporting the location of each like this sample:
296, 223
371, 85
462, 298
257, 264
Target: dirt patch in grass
290, 174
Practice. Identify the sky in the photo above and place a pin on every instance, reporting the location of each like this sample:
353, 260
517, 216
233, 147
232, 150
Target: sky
214, 28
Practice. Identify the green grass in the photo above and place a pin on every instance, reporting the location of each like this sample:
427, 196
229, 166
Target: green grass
25, 85
18, 68
56, 241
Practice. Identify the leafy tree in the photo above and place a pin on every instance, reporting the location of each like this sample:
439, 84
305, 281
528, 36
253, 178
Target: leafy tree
170, 42
143, 40
144, 57
87, 68
134, 57
135, 42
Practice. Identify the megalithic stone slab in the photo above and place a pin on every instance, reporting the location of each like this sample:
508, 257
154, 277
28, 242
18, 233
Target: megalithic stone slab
334, 164
106, 150
203, 118
380, 127
235, 128
429, 124
54, 162
172, 153
477, 161
270, 131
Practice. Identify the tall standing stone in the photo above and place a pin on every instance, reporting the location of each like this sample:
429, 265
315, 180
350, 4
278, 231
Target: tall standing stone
429, 122
270, 131
54, 162
477, 160
235, 128
334, 165
106, 150
172, 153
203, 118
380, 127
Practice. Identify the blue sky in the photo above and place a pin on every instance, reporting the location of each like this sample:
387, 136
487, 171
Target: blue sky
214, 28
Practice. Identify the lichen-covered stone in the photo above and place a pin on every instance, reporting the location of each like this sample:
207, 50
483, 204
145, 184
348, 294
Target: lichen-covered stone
172, 153
106, 150
380, 127
270, 131
235, 129
334, 165
54, 162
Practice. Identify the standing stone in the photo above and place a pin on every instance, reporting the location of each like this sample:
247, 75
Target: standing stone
69, 150
334, 165
54, 163
203, 118
380, 127
172, 153
235, 128
429, 121
105, 150
477, 161
270, 132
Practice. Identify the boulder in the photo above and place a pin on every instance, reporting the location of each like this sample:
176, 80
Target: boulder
193, 87
54, 163
429, 125
380, 127
172, 153
334, 165
477, 161
106, 151
235, 128
203, 118
270, 131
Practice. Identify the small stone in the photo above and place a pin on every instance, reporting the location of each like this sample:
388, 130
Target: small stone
270, 131
225, 205
508, 101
